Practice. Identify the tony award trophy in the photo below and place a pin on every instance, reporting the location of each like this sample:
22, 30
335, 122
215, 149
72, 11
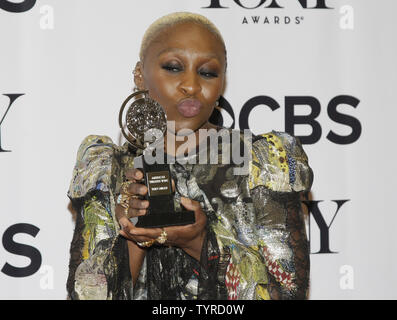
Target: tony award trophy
146, 123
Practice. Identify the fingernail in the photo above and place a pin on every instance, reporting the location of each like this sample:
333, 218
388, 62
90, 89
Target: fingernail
138, 175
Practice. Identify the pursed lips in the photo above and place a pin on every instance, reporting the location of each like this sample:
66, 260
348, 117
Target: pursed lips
189, 107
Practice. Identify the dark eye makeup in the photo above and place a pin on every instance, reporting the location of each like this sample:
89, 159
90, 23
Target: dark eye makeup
175, 67
208, 74
172, 67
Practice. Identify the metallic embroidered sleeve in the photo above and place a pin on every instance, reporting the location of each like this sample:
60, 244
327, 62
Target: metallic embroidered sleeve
95, 228
279, 174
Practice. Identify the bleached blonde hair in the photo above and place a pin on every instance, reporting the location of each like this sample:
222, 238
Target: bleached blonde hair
173, 19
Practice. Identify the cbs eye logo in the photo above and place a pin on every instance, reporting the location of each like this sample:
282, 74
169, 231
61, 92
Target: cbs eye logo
17, 7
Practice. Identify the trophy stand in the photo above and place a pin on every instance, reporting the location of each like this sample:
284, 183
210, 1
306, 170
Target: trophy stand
144, 115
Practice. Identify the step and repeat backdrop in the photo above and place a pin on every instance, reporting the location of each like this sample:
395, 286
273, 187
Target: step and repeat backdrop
323, 70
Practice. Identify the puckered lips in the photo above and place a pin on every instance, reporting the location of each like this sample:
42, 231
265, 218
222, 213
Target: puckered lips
189, 107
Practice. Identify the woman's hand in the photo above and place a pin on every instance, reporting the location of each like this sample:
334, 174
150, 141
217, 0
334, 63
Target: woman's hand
137, 207
189, 237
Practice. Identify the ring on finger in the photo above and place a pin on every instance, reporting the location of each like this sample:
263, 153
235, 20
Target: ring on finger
123, 200
146, 244
125, 185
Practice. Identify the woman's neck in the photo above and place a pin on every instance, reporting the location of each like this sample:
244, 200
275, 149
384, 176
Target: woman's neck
179, 145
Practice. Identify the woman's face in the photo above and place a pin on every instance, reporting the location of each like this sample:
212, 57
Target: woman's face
184, 71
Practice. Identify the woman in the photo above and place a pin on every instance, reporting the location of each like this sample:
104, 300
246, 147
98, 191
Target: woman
248, 241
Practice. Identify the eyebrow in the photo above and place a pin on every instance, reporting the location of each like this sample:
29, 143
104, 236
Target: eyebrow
209, 55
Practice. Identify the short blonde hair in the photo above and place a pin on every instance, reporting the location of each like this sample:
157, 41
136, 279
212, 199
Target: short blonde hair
173, 19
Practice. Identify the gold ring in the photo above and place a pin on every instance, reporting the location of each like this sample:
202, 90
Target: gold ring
163, 237
126, 211
124, 187
146, 244
123, 200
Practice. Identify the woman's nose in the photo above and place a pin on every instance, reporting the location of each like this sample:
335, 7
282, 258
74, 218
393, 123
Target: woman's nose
190, 84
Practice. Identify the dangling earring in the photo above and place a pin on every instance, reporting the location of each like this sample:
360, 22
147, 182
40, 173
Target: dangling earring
217, 103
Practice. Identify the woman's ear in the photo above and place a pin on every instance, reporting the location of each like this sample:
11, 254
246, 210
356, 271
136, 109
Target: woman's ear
138, 76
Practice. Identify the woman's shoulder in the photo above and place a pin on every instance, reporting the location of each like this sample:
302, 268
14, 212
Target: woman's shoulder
94, 143
92, 170
279, 163
286, 144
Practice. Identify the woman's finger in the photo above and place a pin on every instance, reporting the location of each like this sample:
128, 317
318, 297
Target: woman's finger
138, 203
125, 223
190, 204
120, 213
137, 207
126, 226
132, 213
137, 188
125, 235
134, 174
195, 206
152, 233
134, 238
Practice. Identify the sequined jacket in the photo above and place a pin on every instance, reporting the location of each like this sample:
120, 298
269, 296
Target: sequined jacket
255, 245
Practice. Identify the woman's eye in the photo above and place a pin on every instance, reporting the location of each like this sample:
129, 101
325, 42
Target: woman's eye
172, 68
208, 74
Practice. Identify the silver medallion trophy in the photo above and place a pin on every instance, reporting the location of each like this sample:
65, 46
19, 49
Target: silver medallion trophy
146, 123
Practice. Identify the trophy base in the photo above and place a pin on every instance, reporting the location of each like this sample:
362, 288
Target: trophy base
166, 219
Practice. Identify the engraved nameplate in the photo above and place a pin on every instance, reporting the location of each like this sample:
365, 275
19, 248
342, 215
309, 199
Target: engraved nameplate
158, 183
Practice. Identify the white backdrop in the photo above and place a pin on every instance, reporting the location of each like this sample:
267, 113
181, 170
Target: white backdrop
72, 61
